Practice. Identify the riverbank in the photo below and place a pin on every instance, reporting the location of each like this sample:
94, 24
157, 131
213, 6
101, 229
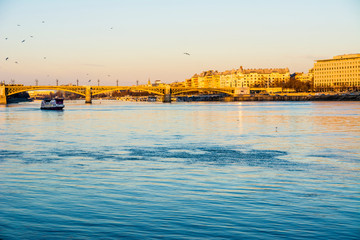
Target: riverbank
319, 97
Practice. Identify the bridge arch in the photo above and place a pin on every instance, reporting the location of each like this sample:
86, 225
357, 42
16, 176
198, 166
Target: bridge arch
226, 91
15, 91
154, 91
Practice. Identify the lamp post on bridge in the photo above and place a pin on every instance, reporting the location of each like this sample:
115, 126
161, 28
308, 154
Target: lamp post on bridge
98, 82
77, 82
36, 82
57, 82
117, 82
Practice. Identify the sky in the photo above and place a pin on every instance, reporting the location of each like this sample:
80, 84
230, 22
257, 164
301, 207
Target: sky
131, 41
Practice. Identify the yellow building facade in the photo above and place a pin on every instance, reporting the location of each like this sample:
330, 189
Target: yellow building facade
192, 82
232, 78
305, 77
255, 77
341, 73
240, 78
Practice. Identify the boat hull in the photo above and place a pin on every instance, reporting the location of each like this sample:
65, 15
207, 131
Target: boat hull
52, 104
51, 108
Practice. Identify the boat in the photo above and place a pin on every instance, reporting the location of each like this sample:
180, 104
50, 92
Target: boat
52, 104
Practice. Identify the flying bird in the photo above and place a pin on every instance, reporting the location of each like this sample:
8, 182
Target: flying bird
6, 58
187, 53
6, 38
16, 62
18, 25
89, 80
23, 41
44, 57
31, 36
43, 21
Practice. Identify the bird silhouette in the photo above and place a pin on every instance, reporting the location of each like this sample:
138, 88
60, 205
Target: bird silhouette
18, 25
89, 80
43, 21
23, 41
16, 62
187, 53
31, 36
44, 57
6, 38
6, 58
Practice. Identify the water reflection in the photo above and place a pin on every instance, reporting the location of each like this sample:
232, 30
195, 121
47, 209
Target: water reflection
182, 170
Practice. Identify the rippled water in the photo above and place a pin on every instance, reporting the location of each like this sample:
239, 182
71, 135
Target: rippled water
112, 170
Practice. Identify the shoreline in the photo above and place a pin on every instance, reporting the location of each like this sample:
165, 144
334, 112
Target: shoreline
244, 98
323, 97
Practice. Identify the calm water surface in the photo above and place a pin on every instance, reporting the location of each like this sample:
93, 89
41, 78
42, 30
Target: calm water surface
114, 170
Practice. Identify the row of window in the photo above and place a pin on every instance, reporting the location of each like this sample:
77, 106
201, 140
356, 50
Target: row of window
337, 75
333, 72
336, 84
342, 62
333, 68
337, 80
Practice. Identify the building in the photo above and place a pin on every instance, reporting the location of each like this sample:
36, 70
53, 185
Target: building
305, 77
268, 77
209, 79
177, 84
206, 79
232, 78
155, 84
341, 73
39, 94
192, 82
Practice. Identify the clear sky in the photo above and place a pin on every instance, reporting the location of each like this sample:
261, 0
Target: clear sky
133, 40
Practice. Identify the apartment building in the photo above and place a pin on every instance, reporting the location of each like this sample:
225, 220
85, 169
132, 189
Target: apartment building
341, 73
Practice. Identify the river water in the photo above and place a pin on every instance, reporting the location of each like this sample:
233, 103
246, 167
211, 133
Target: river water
124, 170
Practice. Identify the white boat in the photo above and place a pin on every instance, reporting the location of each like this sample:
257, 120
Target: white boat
52, 104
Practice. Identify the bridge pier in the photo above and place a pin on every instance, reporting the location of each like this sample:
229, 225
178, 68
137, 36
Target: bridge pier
166, 98
2, 95
167, 95
88, 98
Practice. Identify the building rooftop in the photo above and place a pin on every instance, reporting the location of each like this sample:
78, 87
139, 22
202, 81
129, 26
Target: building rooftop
266, 70
243, 71
344, 56
347, 56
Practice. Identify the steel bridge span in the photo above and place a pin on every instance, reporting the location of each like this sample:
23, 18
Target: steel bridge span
89, 91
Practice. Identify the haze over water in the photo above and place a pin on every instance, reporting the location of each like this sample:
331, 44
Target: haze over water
111, 170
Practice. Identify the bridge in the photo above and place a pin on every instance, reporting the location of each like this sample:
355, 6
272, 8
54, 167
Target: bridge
89, 91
